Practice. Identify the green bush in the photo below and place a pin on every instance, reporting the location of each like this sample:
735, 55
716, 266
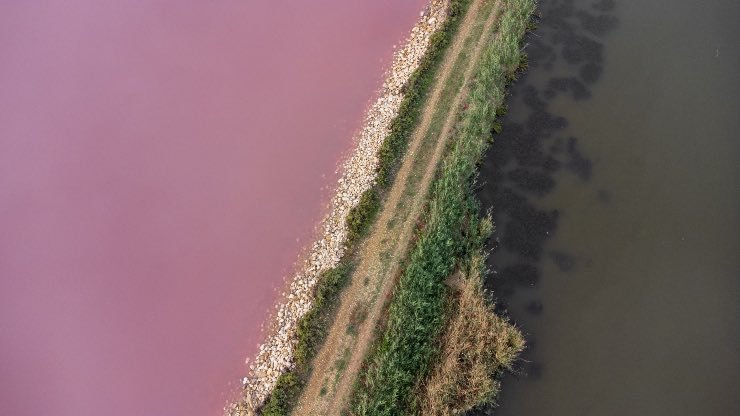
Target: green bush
312, 327
286, 390
362, 215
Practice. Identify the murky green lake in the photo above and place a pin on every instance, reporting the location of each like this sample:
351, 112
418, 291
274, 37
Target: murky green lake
615, 193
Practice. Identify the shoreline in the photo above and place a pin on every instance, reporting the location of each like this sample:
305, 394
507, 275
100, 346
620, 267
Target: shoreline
359, 174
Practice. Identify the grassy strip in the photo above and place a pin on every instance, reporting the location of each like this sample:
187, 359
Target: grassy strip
313, 327
452, 232
394, 146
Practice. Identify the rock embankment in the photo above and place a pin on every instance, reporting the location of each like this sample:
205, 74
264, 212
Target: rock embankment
359, 173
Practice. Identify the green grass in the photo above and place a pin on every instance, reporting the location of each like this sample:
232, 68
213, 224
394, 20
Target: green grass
362, 215
341, 365
452, 232
312, 328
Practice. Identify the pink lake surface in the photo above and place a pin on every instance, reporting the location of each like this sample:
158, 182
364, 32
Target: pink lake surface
158, 161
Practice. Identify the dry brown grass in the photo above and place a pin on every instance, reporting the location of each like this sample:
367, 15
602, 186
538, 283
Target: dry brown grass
476, 347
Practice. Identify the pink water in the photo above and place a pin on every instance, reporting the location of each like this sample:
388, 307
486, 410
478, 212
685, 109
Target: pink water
158, 161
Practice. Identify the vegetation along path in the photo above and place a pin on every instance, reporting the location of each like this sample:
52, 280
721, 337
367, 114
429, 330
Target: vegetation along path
337, 364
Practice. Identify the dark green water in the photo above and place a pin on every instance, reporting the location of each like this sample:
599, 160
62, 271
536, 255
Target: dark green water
615, 193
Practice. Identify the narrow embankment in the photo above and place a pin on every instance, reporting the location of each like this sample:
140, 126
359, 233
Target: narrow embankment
427, 358
338, 362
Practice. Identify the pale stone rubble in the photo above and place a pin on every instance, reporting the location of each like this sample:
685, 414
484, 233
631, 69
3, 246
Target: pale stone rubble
359, 172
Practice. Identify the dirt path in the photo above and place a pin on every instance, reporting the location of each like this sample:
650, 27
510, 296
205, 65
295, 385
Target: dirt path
338, 362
